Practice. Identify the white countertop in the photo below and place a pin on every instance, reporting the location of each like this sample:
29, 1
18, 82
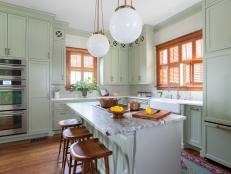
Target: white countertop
180, 101
102, 120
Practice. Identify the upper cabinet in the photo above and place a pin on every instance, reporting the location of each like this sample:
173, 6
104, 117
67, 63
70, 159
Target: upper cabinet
59, 54
39, 39
115, 65
16, 36
12, 36
130, 64
141, 59
3, 34
218, 35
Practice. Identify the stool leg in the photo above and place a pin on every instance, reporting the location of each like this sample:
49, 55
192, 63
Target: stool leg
61, 141
70, 165
65, 154
64, 146
75, 165
106, 165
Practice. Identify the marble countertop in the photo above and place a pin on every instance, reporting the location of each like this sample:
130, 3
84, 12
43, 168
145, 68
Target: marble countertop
179, 101
103, 121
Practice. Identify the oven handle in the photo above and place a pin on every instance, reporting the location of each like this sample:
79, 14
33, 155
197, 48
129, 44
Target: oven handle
12, 112
12, 88
12, 67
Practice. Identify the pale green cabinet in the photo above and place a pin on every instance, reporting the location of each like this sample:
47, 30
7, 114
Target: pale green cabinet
218, 85
193, 125
39, 108
38, 39
141, 59
16, 36
123, 64
115, 65
12, 36
59, 57
218, 35
217, 143
3, 34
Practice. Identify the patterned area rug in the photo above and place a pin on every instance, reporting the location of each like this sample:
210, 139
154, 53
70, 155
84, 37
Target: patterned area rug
192, 164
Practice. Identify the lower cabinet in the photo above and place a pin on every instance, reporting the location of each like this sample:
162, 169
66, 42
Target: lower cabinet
39, 105
61, 112
193, 126
218, 143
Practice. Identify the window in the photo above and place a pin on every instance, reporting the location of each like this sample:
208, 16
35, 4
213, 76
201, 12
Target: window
80, 65
180, 63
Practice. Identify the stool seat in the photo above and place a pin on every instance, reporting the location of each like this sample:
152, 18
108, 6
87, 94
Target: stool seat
89, 150
76, 133
69, 123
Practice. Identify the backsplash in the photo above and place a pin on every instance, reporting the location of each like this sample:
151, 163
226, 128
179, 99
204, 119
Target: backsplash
122, 90
185, 95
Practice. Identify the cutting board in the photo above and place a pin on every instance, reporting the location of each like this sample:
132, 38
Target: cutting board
157, 114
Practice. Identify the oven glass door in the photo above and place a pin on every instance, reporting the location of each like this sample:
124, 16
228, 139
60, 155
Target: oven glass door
12, 122
12, 98
11, 73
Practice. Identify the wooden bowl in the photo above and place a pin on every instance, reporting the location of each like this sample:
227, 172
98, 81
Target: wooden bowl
108, 102
117, 115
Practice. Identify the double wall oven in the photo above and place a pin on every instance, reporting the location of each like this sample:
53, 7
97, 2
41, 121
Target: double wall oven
13, 115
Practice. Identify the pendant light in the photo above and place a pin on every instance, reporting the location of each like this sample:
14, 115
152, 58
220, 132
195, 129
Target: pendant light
125, 24
98, 44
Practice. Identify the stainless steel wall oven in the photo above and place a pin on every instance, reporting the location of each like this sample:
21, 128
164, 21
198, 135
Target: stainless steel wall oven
13, 117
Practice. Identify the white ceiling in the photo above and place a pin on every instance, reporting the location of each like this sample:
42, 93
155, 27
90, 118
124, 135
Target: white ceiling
80, 13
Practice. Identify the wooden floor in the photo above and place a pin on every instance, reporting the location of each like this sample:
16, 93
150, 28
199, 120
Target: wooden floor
36, 157
25, 157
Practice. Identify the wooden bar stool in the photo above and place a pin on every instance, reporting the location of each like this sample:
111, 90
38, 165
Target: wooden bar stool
88, 152
71, 135
66, 124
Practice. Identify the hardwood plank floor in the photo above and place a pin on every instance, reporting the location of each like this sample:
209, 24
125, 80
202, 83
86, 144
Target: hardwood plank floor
39, 157
27, 157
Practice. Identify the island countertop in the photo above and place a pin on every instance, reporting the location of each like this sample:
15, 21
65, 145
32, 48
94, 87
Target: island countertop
102, 120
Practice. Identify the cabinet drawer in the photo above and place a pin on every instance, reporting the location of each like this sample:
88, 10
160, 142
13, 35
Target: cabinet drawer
218, 141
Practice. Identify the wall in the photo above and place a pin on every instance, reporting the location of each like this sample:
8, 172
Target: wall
181, 24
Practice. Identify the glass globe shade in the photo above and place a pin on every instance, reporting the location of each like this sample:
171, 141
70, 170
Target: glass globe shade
98, 45
126, 25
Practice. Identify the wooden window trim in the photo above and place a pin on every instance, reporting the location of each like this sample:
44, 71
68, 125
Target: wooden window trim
82, 68
179, 42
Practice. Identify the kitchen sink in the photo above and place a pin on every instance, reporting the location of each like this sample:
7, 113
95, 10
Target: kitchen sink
171, 105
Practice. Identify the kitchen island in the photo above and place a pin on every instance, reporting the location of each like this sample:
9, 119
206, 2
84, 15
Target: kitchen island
139, 146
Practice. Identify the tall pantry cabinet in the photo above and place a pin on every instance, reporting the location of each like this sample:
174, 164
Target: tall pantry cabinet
217, 81
39, 55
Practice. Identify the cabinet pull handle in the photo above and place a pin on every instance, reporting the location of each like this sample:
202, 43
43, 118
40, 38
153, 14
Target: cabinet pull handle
48, 54
112, 78
121, 78
6, 51
223, 128
195, 109
139, 78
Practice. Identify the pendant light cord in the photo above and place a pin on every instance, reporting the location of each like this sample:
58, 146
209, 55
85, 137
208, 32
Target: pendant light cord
97, 22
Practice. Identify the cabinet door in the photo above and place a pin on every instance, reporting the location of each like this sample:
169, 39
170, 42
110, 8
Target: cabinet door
107, 67
142, 63
3, 34
39, 39
17, 36
217, 143
123, 65
131, 65
136, 72
58, 62
218, 35
194, 126
39, 109
114, 65
218, 85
